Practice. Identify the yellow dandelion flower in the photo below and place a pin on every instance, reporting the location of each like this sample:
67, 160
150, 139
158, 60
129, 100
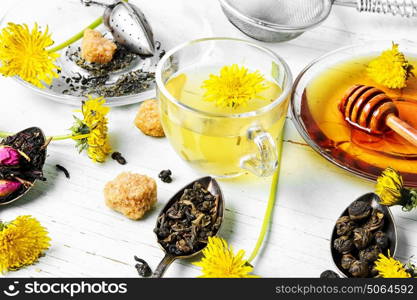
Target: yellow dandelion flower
391, 69
23, 53
389, 187
22, 242
219, 261
93, 129
234, 86
388, 267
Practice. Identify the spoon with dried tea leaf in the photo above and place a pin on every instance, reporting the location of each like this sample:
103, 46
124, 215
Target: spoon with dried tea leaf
363, 231
22, 157
190, 217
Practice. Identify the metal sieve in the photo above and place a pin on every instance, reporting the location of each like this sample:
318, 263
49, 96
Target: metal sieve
282, 20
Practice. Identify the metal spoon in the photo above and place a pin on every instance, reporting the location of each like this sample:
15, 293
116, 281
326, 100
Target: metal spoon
213, 187
39, 164
128, 25
389, 229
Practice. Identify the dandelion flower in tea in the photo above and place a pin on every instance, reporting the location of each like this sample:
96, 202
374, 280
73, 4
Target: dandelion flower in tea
234, 86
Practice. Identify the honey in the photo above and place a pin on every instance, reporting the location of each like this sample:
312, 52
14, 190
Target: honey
358, 150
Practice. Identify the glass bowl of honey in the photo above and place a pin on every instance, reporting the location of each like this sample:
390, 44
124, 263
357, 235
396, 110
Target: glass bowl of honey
317, 93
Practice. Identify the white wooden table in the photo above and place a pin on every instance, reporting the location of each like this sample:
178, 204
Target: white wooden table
89, 239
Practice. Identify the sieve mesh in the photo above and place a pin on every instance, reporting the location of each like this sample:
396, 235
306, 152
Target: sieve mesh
292, 13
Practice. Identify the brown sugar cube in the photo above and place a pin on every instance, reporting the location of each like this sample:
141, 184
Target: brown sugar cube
131, 194
148, 119
95, 48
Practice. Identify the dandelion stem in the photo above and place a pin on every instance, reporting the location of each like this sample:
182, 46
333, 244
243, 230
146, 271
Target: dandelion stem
4, 134
271, 203
78, 36
69, 136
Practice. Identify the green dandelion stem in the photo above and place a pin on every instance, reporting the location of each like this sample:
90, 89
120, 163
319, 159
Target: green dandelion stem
4, 134
271, 203
78, 36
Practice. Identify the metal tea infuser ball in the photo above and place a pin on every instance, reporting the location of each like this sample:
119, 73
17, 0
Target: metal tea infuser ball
128, 25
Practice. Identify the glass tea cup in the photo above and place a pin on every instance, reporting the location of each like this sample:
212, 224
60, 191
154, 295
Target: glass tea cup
222, 143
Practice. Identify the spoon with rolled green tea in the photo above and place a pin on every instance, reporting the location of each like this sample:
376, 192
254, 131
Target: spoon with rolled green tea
363, 231
190, 217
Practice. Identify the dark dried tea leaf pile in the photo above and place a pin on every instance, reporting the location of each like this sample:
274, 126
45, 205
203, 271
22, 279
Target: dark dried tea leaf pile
122, 58
22, 157
126, 74
361, 238
184, 228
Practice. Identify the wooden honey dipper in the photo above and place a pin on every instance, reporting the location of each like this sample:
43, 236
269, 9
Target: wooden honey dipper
371, 110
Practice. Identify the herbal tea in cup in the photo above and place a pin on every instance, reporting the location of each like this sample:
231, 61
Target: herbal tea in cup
223, 105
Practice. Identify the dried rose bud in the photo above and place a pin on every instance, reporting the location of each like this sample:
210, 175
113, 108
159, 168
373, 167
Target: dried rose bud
7, 187
9, 156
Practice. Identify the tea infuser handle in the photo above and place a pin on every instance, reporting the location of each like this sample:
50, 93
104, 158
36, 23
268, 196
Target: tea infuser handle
394, 7
265, 161
163, 266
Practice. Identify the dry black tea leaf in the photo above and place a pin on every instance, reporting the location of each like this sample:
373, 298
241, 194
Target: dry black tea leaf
117, 156
370, 254
361, 238
329, 274
17, 178
381, 239
376, 221
343, 244
347, 261
142, 267
165, 176
359, 269
344, 226
372, 271
359, 210
63, 170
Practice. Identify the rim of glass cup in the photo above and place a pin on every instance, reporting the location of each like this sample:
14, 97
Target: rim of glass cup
299, 124
274, 26
286, 89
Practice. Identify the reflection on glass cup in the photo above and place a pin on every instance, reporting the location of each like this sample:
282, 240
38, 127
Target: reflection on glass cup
220, 141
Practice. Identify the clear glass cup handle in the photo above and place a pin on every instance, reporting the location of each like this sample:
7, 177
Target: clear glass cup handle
265, 161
